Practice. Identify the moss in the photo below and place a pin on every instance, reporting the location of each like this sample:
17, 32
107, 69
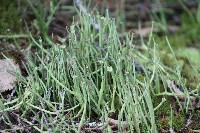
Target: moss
178, 121
188, 61
168, 59
195, 120
192, 77
162, 123
192, 81
163, 114
164, 109
190, 57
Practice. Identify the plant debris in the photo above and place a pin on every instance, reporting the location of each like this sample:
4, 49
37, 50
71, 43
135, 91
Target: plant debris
178, 90
7, 71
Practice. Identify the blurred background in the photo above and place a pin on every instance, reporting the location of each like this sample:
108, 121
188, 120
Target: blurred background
169, 17
178, 20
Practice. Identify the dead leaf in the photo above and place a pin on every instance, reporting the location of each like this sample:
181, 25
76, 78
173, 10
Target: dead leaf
7, 74
114, 123
144, 31
178, 90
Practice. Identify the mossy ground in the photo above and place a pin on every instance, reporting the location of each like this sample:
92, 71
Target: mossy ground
186, 48
188, 59
163, 115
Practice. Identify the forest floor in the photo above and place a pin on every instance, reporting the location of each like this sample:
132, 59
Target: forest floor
100, 66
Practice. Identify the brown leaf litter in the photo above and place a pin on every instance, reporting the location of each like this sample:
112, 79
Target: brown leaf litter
8, 68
